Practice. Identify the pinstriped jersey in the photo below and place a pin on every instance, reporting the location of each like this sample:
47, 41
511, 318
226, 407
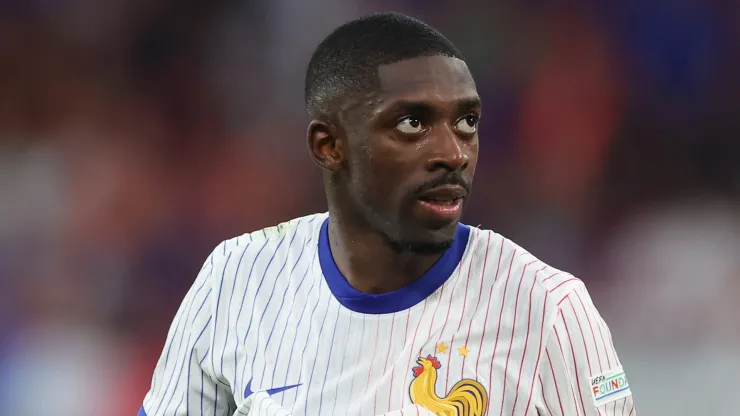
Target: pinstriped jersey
271, 327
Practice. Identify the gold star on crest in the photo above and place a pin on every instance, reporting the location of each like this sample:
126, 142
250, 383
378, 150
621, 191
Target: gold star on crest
463, 351
441, 348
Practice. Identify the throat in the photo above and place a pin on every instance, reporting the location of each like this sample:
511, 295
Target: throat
372, 266
367, 276
388, 273
377, 277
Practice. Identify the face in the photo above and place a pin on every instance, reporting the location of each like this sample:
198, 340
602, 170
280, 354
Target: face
406, 165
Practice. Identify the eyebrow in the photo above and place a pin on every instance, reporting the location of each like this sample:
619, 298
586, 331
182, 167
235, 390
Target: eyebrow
466, 104
461, 105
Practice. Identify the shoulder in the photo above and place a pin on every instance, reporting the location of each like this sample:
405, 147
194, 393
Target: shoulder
299, 226
509, 264
237, 257
270, 238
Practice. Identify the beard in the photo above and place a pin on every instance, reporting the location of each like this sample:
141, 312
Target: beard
419, 247
401, 244
390, 227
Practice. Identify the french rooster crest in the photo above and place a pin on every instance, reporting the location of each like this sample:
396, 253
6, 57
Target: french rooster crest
466, 398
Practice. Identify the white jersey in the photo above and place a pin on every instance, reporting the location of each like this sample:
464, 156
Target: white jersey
271, 327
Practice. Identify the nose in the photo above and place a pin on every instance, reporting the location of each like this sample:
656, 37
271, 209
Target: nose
448, 153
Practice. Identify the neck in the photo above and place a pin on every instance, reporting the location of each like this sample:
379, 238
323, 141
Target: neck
368, 263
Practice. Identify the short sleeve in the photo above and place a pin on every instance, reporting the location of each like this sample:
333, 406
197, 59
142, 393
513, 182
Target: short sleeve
180, 384
580, 373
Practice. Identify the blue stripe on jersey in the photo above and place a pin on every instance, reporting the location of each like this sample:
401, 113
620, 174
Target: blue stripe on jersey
362, 342
187, 394
231, 298
397, 300
215, 402
341, 368
328, 363
256, 295
206, 297
215, 317
182, 320
272, 293
142, 412
318, 344
202, 377
290, 311
179, 347
179, 374
282, 303
241, 305
305, 343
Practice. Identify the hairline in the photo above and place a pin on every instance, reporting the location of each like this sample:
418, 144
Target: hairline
351, 100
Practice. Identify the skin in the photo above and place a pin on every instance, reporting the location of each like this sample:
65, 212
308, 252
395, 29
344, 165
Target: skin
417, 131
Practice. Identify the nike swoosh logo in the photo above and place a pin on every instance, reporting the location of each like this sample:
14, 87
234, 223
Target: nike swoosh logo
248, 391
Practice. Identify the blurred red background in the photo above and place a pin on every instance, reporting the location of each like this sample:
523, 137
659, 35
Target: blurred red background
135, 135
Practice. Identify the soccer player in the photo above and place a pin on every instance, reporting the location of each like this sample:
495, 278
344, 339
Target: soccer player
387, 304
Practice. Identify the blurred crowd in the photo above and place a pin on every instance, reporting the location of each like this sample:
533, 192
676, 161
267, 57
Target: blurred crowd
135, 135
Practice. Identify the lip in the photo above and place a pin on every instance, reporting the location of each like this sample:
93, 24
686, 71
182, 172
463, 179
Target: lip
440, 213
444, 192
441, 205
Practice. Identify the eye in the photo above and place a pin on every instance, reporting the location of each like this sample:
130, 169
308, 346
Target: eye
468, 124
410, 125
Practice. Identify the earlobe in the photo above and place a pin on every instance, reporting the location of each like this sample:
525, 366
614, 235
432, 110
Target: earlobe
325, 145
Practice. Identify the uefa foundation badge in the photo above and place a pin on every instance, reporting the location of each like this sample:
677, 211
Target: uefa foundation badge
609, 386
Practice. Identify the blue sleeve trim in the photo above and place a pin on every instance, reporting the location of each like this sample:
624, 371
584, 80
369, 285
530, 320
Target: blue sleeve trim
142, 412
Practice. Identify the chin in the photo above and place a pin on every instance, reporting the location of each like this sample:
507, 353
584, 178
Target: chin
428, 241
427, 248
441, 229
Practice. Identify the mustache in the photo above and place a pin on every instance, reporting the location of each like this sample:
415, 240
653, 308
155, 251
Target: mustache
449, 178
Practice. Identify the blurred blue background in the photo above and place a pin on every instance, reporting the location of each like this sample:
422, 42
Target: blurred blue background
135, 135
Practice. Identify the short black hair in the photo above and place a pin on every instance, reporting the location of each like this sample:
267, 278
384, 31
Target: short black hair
346, 62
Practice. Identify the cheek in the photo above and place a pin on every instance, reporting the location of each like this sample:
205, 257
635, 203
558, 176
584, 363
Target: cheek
473, 156
473, 162
380, 173
378, 184
367, 177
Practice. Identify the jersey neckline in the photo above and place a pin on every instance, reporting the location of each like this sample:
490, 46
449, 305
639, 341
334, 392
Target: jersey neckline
398, 300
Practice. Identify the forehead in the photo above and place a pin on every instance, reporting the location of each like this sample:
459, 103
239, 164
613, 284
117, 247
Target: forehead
433, 79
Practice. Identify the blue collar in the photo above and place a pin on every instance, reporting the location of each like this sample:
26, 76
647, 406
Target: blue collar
397, 300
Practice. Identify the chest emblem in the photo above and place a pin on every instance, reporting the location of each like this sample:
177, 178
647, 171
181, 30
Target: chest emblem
466, 398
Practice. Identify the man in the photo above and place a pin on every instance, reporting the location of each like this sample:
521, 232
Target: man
387, 304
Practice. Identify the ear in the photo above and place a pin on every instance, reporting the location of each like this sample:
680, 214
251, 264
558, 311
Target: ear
326, 145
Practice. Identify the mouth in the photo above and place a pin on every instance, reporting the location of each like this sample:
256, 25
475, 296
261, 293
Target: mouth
446, 195
443, 203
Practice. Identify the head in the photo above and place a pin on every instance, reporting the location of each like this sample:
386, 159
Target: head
394, 116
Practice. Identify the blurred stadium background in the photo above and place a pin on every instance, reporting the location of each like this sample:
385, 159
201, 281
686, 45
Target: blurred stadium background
135, 135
